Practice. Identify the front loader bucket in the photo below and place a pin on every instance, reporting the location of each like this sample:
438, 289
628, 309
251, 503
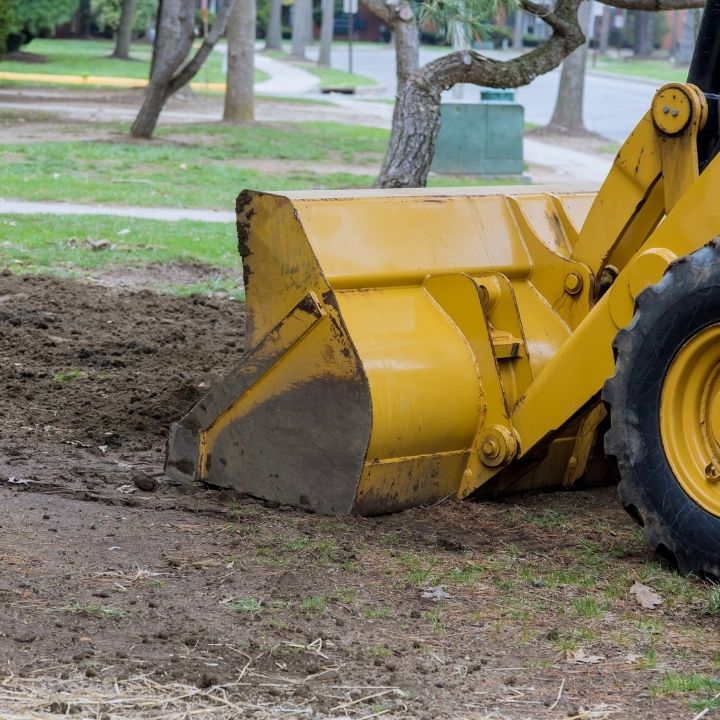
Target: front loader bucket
361, 389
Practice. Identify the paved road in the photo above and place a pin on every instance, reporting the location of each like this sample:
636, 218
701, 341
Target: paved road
613, 106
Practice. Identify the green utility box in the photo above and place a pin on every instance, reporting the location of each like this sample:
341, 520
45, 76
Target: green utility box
497, 95
479, 139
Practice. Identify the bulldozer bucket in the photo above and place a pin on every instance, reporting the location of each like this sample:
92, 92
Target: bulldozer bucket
370, 362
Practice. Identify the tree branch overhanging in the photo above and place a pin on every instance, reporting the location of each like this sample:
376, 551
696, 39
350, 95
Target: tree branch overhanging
399, 16
416, 118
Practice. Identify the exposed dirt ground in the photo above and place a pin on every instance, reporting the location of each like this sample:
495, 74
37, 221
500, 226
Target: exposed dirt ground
92, 106
125, 602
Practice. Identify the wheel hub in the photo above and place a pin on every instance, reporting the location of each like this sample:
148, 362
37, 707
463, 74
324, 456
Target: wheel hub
690, 418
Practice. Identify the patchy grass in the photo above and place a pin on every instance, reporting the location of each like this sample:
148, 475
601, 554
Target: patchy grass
306, 141
314, 604
103, 612
63, 245
67, 376
92, 57
661, 70
713, 601
202, 165
379, 612
334, 78
245, 605
702, 691
202, 168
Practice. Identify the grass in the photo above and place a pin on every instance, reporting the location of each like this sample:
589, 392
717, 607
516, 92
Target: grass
334, 78
691, 684
102, 612
204, 165
661, 70
188, 174
92, 57
713, 601
314, 604
377, 613
587, 607
38, 244
69, 375
245, 605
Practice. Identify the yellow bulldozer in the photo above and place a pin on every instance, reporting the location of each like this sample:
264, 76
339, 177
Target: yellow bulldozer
406, 346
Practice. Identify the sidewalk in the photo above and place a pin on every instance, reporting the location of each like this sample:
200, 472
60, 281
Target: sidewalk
569, 165
22, 207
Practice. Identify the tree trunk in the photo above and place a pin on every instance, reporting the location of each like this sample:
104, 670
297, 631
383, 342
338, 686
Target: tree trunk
568, 113
309, 25
644, 32
416, 118
299, 29
172, 47
239, 95
518, 28
399, 16
407, 49
604, 40
273, 39
326, 32
687, 39
124, 31
156, 38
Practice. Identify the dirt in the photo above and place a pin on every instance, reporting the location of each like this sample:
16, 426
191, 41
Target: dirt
98, 106
115, 581
582, 141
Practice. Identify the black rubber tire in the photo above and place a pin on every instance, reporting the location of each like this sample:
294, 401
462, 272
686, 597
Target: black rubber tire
667, 315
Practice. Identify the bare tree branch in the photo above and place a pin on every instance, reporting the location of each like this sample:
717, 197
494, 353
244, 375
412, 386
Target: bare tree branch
399, 15
190, 69
416, 118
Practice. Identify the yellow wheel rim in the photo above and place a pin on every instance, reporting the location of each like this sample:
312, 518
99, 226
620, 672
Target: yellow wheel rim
690, 418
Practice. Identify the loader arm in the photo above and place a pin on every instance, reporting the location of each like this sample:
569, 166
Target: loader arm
644, 217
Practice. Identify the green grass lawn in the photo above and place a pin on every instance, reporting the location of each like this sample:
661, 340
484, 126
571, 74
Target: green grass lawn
71, 246
332, 77
92, 57
661, 70
187, 173
203, 165
157, 175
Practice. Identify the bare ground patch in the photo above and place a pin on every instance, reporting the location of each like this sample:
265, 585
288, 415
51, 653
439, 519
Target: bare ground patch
124, 602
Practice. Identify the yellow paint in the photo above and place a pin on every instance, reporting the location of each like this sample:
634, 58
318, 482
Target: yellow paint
52, 79
690, 418
467, 324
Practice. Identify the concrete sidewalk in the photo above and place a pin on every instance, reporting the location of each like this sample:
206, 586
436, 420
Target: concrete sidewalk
568, 165
22, 207
285, 79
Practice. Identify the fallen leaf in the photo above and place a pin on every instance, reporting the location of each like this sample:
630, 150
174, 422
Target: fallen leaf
579, 656
645, 596
435, 593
